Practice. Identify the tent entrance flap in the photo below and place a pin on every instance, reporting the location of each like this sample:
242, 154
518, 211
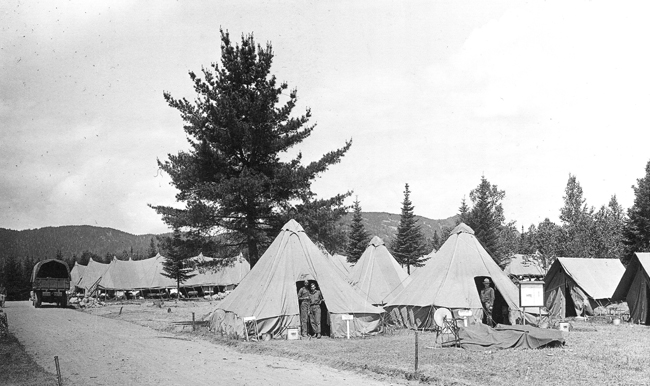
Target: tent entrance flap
500, 309
570, 309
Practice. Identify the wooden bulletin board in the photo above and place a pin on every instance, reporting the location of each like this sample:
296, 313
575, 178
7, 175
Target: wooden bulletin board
531, 294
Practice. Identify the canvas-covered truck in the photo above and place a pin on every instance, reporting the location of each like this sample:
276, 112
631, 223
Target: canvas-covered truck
50, 281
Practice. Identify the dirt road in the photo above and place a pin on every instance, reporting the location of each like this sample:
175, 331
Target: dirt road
98, 351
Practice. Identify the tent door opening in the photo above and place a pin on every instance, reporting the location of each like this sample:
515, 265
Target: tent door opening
570, 309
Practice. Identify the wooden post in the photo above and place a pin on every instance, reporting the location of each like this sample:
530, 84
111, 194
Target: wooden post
416, 350
58, 370
121, 310
193, 328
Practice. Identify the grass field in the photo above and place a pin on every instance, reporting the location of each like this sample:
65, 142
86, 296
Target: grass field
596, 352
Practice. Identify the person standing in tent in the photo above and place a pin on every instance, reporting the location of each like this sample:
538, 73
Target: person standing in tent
315, 299
487, 299
303, 300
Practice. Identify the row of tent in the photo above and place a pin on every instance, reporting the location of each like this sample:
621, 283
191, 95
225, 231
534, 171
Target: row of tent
127, 275
377, 290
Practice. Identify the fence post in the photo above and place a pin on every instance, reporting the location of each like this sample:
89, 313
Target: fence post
416, 350
58, 370
193, 328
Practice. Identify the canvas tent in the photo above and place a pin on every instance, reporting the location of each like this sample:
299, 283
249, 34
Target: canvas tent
269, 291
136, 275
92, 274
76, 273
524, 266
227, 276
377, 274
575, 286
451, 279
634, 287
340, 263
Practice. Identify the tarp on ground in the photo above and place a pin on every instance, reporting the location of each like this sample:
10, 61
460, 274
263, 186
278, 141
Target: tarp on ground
481, 337
523, 266
93, 272
377, 274
575, 286
451, 279
269, 291
76, 273
228, 275
634, 287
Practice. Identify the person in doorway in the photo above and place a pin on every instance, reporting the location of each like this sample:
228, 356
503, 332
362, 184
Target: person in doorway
315, 300
303, 300
487, 299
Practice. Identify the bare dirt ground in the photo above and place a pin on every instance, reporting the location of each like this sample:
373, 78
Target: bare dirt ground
95, 350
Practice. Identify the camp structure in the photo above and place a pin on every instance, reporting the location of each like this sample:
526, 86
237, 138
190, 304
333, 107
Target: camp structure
452, 279
524, 267
575, 286
126, 275
76, 273
340, 263
634, 287
377, 274
91, 276
210, 279
269, 293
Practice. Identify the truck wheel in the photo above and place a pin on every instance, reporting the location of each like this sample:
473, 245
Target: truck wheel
37, 302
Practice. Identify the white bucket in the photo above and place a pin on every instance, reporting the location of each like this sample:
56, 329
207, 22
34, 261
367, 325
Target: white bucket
292, 333
616, 321
563, 326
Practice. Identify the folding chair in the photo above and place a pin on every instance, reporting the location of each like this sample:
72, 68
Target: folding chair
446, 324
251, 320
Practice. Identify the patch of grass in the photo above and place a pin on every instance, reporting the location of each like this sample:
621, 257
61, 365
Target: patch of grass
595, 353
18, 368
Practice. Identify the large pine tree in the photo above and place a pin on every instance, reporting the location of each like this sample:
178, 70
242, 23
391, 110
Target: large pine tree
637, 227
236, 189
358, 238
577, 222
408, 246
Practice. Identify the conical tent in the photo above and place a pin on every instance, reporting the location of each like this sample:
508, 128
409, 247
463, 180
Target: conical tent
451, 279
377, 274
634, 287
269, 291
575, 286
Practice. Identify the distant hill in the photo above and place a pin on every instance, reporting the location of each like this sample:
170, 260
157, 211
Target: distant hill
74, 240
385, 225
70, 240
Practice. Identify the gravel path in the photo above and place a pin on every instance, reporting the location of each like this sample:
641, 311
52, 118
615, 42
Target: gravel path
99, 351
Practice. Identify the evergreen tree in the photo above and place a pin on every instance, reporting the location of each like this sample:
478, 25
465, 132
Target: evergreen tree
463, 212
637, 226
176, 257
547, 241
358, 238
152, 249
232, 181
578, 224
486, 219
408, 246
609, 222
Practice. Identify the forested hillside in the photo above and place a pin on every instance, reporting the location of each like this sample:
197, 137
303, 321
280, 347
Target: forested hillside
384, 225
71, 241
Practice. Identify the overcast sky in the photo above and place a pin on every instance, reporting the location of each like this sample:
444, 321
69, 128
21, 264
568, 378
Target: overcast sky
434, 94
